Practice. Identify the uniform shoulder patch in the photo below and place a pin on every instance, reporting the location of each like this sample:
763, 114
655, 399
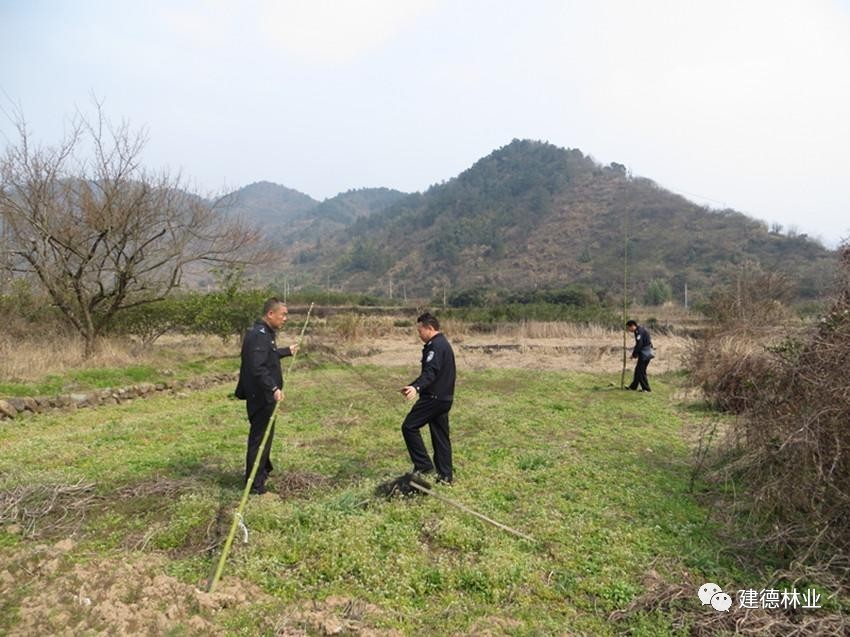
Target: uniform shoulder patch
430, 356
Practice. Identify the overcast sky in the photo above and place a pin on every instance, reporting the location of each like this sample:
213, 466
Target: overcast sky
742, 104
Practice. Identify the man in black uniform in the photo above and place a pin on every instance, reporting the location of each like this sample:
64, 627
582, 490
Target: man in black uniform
643, 353
435, 387
261, 385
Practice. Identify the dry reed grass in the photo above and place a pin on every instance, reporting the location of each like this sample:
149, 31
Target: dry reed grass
32, 359
556, 330
728, 368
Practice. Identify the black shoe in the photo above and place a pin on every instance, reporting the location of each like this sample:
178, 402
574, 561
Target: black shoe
260, 490
445, 481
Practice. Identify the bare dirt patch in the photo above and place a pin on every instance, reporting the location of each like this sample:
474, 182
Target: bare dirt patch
110, 596
599, 351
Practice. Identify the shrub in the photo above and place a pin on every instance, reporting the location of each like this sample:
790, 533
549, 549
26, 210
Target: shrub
793, 439
658, 292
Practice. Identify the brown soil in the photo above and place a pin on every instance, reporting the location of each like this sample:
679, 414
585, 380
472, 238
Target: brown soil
600, 354
121, 597
110, 596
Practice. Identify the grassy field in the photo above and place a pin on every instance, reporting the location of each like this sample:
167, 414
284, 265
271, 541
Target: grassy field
144, 493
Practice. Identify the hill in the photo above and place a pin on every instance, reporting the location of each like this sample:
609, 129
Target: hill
339, 212
533, 214
265, 203
297, 217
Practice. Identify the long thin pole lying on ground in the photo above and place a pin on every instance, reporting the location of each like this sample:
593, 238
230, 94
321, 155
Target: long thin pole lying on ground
237, 515
466, 509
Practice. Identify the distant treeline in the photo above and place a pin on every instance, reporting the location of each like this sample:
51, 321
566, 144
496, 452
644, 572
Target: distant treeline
228, 312
571, 303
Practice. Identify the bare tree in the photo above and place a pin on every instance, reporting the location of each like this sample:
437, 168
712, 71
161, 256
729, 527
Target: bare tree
99, 231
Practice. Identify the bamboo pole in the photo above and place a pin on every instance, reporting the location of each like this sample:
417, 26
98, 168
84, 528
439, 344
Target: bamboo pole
466, 509
625, 289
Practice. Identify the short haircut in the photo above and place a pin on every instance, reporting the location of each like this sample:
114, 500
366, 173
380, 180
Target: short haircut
429, 319
631, 322
271, 304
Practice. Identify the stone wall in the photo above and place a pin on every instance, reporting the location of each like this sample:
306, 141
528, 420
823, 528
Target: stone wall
29, 406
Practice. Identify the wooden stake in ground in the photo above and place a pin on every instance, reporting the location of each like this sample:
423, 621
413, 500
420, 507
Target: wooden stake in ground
237, 515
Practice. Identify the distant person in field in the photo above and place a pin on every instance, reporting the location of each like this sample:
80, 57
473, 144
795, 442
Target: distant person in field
261, 385
435, 387
643, 352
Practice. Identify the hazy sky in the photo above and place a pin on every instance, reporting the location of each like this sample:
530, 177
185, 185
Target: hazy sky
742, 104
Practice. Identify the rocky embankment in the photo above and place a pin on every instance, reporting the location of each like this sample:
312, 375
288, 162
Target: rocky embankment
27, 406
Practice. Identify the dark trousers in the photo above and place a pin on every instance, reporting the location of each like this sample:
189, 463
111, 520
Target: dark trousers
434, 413
259, 414
640, 375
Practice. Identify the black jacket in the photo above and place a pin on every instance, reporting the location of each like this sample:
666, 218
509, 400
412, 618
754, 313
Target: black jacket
437, 379
259, 372
642, 340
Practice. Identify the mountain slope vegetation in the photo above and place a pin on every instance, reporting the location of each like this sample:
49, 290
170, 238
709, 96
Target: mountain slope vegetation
533, 214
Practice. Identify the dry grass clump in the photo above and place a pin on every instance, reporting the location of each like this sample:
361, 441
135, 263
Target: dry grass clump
555, 329
680, 600
731, 369
46, 509
37, 355
352, 326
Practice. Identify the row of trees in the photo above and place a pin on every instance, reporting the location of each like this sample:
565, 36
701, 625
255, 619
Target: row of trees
100, 233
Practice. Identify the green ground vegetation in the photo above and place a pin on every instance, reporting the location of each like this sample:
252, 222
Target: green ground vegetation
600, 477
83, 379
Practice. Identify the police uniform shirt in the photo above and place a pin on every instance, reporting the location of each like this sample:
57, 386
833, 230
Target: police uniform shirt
642, 340
437, 378
260, 373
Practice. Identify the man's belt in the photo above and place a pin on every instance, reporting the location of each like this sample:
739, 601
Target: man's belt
435, 397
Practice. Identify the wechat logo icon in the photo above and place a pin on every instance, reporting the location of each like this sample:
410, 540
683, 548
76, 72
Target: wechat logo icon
712, 594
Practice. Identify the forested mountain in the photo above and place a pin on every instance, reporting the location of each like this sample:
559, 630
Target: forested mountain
532, 214
339, 212
267, 204
294, 216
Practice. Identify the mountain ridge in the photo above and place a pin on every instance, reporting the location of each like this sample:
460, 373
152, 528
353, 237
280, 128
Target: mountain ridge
534, 214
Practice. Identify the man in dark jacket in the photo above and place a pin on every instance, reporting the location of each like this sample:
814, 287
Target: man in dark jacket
435, 387
643, 352
261, 385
